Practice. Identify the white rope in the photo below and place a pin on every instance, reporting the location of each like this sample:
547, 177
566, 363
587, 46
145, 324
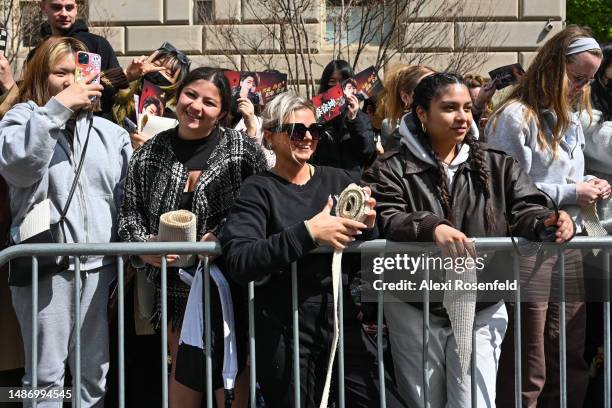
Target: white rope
352, 204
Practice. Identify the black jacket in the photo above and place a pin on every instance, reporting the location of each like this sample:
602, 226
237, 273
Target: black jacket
403, 182
409, 210
94, 43
349, 144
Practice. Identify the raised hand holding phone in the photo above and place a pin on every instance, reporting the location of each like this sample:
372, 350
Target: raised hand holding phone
86, 63
80, 95
6, 73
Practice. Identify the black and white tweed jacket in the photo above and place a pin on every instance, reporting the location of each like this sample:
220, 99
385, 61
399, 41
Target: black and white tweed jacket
156, 180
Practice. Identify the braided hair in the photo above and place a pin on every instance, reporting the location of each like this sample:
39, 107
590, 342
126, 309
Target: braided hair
426, 91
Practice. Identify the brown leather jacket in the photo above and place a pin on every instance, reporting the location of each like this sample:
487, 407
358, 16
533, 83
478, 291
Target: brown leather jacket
408, 208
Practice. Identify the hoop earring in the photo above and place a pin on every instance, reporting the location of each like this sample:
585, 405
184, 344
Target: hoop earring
423, 128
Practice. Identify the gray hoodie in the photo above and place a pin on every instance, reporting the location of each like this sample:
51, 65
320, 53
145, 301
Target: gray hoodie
598, 157
37, 162
510, 132
407, 132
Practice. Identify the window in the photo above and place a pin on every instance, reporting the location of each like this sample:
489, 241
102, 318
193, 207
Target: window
365, 17
203, 11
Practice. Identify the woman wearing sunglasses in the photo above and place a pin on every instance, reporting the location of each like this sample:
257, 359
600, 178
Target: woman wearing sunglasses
537, 127
279, 217
166, 68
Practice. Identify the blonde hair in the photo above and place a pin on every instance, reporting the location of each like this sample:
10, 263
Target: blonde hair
545, 87
399, 78
474, 80
35, 81
281, 107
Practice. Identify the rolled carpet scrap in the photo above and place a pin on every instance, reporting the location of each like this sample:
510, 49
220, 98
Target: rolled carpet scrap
178, 226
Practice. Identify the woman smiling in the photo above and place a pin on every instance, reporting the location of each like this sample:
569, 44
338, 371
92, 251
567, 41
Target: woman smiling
280, 216
197, 166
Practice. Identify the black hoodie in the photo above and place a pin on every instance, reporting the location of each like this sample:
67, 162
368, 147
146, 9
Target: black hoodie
94, 43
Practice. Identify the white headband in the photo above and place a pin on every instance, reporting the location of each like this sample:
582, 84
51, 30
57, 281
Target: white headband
582, 44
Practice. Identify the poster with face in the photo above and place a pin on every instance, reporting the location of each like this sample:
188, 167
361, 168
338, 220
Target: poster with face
329, 104
259, 87
507, 75
152, 100
366, 84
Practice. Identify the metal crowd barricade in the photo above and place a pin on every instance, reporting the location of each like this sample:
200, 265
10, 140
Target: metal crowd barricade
121, 250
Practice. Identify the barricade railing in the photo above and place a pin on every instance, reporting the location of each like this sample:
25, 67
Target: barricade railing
121, 250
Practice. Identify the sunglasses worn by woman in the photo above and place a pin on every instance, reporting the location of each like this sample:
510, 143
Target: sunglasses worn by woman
297, 131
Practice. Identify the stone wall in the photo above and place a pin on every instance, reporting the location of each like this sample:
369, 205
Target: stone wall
136, 27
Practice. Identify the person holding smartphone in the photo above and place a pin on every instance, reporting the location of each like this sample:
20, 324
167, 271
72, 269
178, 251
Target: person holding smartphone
42, 139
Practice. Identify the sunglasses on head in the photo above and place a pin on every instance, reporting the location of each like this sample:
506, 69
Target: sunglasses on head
183, 59
297, 131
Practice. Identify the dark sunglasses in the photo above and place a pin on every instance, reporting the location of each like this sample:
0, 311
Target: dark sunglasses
297, 131
183, 59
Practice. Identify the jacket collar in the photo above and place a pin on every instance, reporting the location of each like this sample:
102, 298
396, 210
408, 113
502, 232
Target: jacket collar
421, 160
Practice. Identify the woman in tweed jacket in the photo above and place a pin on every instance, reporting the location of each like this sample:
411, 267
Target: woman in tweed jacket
198, 166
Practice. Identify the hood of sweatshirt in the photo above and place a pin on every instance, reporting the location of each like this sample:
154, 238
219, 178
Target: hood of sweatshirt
407, 131
77, 27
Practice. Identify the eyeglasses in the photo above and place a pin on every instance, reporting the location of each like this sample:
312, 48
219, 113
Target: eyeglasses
297, 131
578, 80
183, 59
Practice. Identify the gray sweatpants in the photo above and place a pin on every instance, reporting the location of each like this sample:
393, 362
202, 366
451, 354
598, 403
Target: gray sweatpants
446, 391
56, 332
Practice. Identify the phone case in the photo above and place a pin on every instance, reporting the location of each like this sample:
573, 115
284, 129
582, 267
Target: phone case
94, 63
3, 40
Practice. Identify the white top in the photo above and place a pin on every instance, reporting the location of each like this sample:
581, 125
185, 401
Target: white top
270, 156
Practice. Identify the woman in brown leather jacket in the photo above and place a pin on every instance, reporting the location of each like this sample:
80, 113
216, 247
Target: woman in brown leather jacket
443, 186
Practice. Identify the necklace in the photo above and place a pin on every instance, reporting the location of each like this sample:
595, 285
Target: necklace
310, 174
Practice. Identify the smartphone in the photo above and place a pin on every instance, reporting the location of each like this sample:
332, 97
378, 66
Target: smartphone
87, 62
130, 126
3, 40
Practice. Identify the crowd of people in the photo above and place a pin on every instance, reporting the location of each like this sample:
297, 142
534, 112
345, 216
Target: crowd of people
263, 183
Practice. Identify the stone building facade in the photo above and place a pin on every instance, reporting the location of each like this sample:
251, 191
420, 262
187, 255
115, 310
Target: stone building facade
136, 27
